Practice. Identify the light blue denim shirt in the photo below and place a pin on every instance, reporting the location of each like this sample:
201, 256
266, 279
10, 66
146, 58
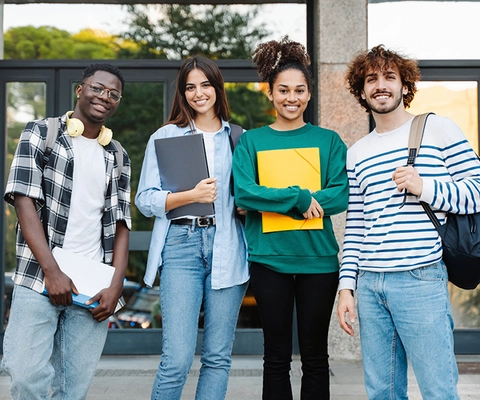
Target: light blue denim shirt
230, 266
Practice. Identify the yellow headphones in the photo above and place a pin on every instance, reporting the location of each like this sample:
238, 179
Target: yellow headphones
75, 128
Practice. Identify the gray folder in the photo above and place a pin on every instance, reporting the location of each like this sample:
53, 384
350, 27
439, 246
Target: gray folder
182, 163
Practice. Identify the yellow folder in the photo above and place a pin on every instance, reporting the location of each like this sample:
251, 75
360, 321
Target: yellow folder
284, 168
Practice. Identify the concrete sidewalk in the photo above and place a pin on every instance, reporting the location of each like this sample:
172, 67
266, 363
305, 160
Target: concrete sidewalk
131, 378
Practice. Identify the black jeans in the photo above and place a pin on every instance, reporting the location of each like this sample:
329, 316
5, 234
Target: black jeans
313, 296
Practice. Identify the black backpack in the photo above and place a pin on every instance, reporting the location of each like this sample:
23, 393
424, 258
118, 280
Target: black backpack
460, 234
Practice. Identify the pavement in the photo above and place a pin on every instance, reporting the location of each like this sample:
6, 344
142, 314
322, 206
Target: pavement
131, 377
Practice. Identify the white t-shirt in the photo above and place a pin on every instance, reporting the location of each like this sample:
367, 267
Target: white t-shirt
209, 140
84, 228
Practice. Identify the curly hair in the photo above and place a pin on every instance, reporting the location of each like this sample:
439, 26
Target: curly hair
380, 59
273, 57
112, 69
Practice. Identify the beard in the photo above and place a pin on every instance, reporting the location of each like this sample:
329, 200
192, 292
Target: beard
392, 105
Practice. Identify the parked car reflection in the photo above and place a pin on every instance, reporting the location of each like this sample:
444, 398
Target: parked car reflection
141, 311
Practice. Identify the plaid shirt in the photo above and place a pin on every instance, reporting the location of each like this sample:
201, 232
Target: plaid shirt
30, 165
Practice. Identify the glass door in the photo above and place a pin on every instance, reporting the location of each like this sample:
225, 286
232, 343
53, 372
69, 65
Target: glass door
459, 101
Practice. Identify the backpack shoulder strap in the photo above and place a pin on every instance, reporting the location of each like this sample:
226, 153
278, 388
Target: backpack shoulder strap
414, 142
416, 136
52, 134
235, 133
119, 156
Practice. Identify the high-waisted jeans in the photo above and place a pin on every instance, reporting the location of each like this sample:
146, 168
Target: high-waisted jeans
313, 296
185, 281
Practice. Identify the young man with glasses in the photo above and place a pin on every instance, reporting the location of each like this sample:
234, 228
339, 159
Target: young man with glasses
76, 197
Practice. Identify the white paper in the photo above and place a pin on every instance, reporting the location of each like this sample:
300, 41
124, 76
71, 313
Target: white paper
89, 276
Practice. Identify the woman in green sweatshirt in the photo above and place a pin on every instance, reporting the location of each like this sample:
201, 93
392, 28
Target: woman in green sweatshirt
294, 267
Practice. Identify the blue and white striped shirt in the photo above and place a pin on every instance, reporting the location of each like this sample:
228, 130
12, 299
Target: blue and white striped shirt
380, 236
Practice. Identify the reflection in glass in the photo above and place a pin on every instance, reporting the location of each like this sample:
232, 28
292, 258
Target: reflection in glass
139, 114
25, 102
457, 101
465, 307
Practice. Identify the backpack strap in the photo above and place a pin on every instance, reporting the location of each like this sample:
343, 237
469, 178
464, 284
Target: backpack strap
416, 135
119, 156
52, 134
235, 133
414, 143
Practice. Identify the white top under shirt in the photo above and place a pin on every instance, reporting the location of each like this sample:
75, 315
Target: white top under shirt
84, 228
209, 140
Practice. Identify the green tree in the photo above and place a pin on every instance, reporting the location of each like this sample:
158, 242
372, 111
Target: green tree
47, 42
249, 107
29, 42
180, 31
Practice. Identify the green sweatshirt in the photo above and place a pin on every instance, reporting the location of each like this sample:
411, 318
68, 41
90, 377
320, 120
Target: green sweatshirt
296, 251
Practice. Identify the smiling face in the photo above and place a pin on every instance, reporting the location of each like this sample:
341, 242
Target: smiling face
383, 90
199, 93
290, 97
93, 109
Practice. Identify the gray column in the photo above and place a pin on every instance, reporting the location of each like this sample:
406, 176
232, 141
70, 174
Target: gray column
341, 32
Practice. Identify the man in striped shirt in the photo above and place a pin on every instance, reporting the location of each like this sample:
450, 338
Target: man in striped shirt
392, 255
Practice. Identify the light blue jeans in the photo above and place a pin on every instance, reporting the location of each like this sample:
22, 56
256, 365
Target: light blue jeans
185, 281
50, 350
406, 315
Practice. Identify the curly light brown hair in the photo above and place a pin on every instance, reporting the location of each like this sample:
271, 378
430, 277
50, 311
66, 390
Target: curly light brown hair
380, 59
273, 57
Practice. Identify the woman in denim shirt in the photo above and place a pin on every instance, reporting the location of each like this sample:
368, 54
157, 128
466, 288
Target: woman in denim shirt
199, 260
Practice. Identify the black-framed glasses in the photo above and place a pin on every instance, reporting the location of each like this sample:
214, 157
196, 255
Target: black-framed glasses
98, 91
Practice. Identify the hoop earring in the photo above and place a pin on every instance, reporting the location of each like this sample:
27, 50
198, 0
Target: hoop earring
75, 128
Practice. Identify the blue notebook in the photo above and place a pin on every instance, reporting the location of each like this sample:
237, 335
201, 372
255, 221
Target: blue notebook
78, 299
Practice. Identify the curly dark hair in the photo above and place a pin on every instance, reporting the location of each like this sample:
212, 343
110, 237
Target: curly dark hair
92, 68
380, 59
273, 57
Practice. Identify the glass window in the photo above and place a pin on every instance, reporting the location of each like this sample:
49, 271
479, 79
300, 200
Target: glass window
455, 100
140, 113
26, 101
458, 101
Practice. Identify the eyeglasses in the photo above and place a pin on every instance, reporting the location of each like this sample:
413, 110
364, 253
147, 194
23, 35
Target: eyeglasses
98, 91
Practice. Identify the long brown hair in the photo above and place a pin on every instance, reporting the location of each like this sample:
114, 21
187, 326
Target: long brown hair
181, 113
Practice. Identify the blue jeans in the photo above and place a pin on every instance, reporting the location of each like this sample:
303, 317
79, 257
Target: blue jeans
185, 281
407, 315
50, 350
